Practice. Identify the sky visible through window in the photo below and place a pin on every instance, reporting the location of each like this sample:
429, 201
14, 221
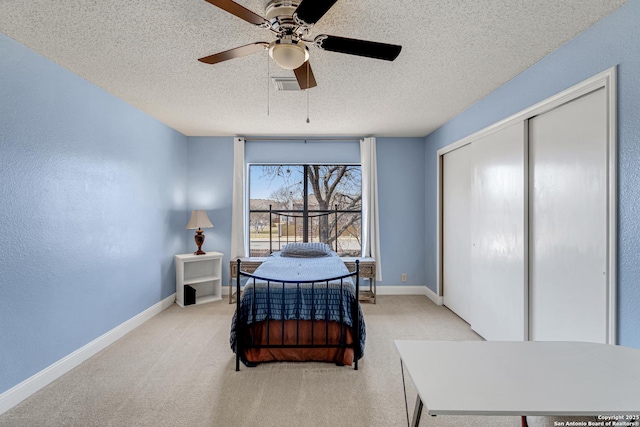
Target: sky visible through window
262, 188
262, 185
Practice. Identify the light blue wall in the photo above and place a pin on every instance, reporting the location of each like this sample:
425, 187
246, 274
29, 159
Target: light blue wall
92, 202
401, 204
400, 174
210, 187
300, 151
614, 40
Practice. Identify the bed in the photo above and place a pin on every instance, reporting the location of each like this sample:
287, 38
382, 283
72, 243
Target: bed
299, 305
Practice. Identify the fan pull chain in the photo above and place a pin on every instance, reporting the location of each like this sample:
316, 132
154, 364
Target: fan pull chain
307, 90
268, 84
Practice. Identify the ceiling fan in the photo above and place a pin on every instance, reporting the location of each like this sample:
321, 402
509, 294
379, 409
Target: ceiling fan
291, 21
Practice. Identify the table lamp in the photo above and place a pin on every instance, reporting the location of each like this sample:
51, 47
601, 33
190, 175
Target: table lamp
198, 221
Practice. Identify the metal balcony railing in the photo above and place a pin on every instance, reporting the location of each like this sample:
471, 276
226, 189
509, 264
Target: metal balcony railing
310, 225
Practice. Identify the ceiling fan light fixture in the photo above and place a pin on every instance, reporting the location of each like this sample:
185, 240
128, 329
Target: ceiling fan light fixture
288, 55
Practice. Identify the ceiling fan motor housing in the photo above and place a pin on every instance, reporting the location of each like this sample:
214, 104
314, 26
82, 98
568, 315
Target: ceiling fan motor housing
279, 13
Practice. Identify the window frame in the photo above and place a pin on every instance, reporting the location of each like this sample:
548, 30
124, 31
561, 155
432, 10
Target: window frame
308, 213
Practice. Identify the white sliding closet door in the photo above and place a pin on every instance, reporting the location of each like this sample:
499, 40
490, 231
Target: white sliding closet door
456, 231
568, 221
498, 235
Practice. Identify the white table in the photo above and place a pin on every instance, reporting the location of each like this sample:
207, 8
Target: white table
522, 378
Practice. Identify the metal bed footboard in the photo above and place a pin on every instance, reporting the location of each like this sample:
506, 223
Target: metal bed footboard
355, 313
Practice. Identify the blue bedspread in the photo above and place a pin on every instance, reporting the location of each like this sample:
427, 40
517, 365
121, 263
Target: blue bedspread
299, 301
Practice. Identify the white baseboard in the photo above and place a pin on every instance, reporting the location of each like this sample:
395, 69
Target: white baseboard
398, 290
18, 393
409, 290
438, 300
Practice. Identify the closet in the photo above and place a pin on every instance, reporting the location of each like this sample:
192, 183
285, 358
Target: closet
527, 221
568, 221
483, 232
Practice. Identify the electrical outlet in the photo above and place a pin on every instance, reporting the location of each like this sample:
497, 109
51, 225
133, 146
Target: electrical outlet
404, 277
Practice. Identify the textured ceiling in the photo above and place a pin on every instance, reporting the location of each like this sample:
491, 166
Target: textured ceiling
145, 52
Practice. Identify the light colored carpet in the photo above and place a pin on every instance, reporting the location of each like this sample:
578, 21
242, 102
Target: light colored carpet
177, 370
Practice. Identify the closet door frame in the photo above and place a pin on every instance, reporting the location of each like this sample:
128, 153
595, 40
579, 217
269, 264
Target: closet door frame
606, 80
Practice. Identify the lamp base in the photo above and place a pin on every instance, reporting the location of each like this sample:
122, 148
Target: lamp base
199, 238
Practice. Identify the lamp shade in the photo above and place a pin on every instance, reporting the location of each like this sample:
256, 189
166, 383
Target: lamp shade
199, 219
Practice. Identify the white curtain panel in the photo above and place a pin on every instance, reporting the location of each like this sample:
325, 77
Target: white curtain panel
238, 238
370, 217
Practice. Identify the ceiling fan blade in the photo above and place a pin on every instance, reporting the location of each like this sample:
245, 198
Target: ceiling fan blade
310, 11
235, 53
240, 11
304, 75
385, 51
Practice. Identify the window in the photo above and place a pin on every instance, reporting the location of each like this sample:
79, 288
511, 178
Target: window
305, 203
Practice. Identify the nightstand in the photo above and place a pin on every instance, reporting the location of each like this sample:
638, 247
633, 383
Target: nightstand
203, 273
249, 265
367, 271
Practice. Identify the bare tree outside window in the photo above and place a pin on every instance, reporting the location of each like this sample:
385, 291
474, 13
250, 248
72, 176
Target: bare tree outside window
308, 203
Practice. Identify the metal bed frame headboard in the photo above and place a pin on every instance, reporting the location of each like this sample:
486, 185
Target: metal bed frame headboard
305, 214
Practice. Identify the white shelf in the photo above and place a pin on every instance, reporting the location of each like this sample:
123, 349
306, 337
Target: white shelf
201, 279
201, 272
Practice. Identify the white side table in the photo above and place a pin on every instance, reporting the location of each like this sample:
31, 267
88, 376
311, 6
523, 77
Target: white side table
201, 272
